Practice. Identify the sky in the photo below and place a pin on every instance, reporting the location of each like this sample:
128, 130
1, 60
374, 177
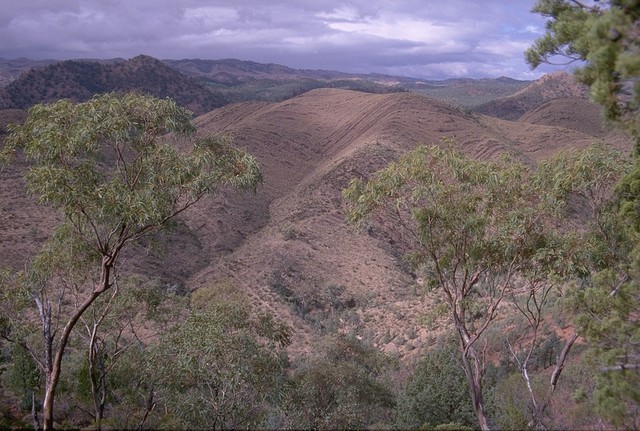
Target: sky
417, 38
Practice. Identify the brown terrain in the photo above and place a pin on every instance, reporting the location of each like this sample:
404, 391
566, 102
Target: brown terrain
549, 87
288, 246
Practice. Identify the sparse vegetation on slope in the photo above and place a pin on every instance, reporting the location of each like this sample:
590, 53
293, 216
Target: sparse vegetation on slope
288, 248
549, 87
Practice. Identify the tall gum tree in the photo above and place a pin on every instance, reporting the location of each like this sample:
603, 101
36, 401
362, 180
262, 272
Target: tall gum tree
603, 37
102, 165
478, 231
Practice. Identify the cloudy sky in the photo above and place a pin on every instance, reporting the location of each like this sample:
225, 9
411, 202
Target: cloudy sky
419, 38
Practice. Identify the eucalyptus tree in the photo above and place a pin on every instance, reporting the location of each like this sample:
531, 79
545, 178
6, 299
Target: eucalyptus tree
605, 302
602, 38
343, 384
223, 367
102, 165
476, 230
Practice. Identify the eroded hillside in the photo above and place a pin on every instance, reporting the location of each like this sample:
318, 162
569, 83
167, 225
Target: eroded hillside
288, 246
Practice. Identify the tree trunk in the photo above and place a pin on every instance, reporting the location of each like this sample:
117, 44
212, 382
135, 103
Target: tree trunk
34, 411
53, 379
561, 360
98, 383
473, 370
474, 379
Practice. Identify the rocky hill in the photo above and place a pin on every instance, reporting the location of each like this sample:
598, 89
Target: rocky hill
288, 246
552, 86
79, 80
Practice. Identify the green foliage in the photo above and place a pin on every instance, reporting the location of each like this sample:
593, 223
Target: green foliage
605, 303
223, 367
23, 376
604, 37
608, 317
100, 162
465, 214
586, 179
341, 387
483, 232
511, 403
470, 228
103, 165
452, 426
437, 393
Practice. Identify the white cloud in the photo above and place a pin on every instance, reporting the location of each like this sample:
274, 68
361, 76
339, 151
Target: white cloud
425, 37
205, 17
533, 29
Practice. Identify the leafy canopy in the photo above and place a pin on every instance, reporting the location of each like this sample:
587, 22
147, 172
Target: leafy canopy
604, 36
223, 367
470, 228
101, 163
104, 164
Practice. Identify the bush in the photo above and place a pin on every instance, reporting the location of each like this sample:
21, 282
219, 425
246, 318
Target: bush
437, 393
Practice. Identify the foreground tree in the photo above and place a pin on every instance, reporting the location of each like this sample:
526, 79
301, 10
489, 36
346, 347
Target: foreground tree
604, 37
606, 302
224, 366
342, 385
114, 324
101, 165
437, 392
481, 232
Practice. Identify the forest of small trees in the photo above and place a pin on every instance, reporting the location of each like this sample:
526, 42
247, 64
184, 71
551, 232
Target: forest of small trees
504, 247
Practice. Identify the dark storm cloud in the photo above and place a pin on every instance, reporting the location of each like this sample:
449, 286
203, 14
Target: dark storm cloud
418, 38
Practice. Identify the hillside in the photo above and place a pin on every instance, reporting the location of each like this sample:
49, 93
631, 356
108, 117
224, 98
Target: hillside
468, 93
79, 80
233, 70
239, 80
231, 80
310, 147
288, 246
551, 86
10, 70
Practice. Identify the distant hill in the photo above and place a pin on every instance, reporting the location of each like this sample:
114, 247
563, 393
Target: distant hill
232, 80
468, 93
80, 80
10, 70
548, 87
240, 80
288, 246
233, 71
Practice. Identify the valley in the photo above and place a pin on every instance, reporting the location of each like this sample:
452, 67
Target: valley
288, 247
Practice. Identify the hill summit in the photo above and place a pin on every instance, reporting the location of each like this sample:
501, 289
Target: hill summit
548, 87
79, 80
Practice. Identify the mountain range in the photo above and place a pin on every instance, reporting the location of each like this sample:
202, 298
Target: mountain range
288, 246
24, 82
